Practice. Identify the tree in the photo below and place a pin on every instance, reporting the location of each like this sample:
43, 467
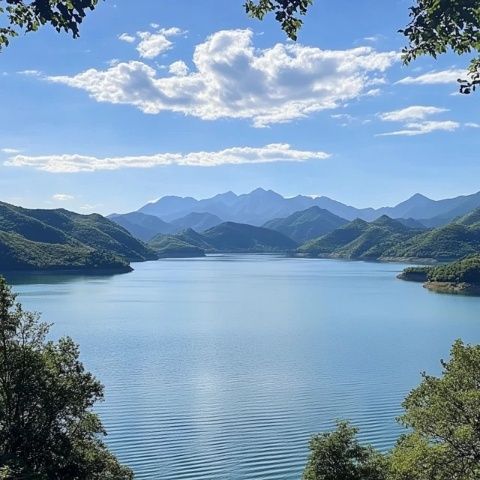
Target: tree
443, 443
28, 16
439, 25
286, 12
444, 417
339, 456
47, 428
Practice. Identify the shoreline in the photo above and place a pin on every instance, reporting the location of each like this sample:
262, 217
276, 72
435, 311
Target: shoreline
468, 289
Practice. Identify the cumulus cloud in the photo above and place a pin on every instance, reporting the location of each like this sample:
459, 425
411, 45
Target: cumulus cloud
415, 112
152, 45
62, 197
178, 68
233, 79
435, 78
415, 120
73, 163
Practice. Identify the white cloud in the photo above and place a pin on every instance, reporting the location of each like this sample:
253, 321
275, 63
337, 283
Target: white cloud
415, 112
278, 152
154, 44
422, 128
415, 120
62, 197
178, 68
472, 125
30, 73
233, 79
434, 78
10, 151
125, 37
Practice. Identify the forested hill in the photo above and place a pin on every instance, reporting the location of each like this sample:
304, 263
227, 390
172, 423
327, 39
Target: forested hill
307, 224
227, 237
387, 239
453, 241
64, 240
360, 240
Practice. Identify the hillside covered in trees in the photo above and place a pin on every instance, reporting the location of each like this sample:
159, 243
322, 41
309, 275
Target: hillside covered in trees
227, 237
62, 240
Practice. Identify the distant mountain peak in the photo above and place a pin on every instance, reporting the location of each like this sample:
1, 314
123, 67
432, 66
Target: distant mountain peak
419, 196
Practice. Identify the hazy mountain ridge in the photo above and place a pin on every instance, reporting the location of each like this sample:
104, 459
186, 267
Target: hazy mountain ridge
261, 206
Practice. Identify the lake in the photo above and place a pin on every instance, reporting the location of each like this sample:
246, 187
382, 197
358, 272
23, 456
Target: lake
222, 368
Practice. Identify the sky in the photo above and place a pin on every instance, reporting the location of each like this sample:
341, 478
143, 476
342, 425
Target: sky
193, 98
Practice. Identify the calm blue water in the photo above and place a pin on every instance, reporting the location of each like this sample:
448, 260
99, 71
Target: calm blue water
221, 368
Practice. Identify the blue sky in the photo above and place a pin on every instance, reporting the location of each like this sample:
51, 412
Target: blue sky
193, 98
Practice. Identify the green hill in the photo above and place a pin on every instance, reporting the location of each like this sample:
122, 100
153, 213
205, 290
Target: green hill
307, 224
227, 237
171, 246
460, 277
239, 237
63, 240
360, 240
453, 241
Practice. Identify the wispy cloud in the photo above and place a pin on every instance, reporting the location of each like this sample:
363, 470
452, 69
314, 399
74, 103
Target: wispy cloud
74, 163
415, 112
422, 128
234, 79
415, 120
62, 197
472, 125
30, 73
125, 37
435, 78
10, 151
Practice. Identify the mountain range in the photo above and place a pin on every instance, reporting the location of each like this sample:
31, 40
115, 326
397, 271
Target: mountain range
262, 206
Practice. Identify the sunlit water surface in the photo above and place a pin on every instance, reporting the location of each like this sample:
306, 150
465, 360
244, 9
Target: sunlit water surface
221, 368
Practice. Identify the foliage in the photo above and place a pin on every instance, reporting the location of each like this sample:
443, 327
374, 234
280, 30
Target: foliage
47, 427
170, 246
450, 242
286, 12
29, 15
442, 414
438, 25
339, 456
59, 239
415, 274
386, 239
360, 240
227, 237
466, 270
443, 439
